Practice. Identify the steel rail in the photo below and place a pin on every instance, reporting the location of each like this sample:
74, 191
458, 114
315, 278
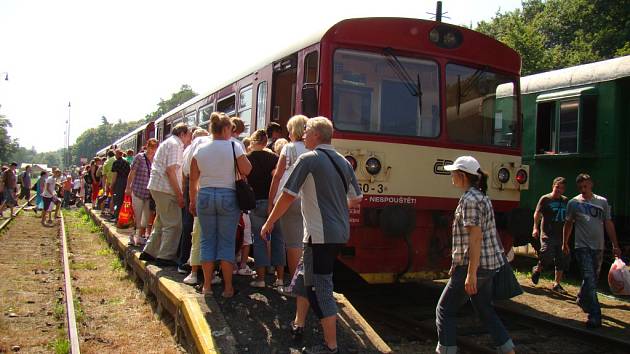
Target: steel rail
578, 332
73, 335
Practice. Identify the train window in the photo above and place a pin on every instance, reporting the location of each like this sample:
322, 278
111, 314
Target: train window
545, 127
245, 109
227, 105
190, 119
261, 105
385, 94
480, 106
204, 115
566, 126
310, 67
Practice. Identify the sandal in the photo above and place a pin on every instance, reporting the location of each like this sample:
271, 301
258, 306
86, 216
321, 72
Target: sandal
199, 290
226, 296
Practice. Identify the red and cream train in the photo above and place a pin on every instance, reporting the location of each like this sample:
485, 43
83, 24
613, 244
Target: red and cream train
406, 97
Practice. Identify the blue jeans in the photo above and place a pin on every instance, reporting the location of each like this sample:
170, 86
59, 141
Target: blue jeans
218, 213
454, 296
258, 217
590, 264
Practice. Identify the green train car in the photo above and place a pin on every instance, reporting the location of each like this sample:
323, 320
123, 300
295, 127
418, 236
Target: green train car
577, 120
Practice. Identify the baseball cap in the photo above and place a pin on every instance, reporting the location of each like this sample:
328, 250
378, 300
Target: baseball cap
466, 164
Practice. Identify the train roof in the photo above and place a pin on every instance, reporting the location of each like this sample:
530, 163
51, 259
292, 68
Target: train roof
307, 41
579, 75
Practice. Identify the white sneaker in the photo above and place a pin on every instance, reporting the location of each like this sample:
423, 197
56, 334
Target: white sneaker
246, 271
257, 284
191, 279
215, 280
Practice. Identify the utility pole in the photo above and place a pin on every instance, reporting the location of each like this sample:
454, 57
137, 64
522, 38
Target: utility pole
68, 137
438, 12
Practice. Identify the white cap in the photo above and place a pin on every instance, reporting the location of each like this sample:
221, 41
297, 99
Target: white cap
466, 164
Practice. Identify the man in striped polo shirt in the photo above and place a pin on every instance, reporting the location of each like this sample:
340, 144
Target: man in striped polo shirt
327, 185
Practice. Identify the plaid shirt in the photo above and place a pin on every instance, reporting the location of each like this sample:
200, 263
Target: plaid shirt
475, 209
142, 166
169, 153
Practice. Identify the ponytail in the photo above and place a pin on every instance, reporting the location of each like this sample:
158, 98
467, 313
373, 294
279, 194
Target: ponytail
479, 181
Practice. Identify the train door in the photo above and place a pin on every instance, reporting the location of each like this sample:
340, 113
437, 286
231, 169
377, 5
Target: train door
244, 108
139, 142
308, 81
284, 84
262, 98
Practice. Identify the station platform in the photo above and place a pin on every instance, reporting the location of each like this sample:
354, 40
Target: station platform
256, 320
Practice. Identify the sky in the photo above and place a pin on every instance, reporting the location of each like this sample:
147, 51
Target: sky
118, 58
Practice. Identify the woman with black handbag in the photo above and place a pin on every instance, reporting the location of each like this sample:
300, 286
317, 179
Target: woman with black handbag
214, 170
477, 256
268, 252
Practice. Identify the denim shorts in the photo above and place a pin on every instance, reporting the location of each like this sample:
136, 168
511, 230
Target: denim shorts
218, 213
292, 226
277, 252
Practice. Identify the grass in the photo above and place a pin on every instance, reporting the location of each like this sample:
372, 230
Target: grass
84, 265
58, 311
61, 346
117, 265
104, 252
79, 314
547, 275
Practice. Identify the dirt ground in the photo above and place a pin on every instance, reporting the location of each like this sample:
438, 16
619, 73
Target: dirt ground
31, 299
113, 315
540, 300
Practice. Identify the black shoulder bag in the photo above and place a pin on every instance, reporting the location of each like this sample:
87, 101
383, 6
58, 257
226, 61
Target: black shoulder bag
244, 192
504, 283
343, 180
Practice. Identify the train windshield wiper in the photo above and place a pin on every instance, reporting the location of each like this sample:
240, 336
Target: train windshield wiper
415, 89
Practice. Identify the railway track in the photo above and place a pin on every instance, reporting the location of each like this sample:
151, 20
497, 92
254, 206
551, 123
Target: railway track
408, 311
71, 322
73, 334
6, 222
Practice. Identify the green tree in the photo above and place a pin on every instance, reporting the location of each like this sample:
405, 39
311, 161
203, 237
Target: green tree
554, 34
184, 94
7, 144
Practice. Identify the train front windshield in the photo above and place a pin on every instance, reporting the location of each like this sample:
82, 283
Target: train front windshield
385, 94
481, 106
395, 95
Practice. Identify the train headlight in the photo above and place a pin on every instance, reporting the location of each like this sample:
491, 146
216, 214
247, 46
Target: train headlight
352, 161
373, 166
503, 175
434, 35
445, 36
450, 40
521, 176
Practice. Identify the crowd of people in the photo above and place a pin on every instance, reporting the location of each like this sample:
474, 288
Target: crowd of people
53, 190
187, 214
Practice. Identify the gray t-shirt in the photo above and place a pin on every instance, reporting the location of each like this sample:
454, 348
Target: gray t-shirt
588, 217
324, 197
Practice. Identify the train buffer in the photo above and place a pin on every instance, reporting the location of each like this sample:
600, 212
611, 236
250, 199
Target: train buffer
254, 320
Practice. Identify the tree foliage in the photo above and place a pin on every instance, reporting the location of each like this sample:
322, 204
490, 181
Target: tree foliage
90, 141
94, 139
554, 34
184, 94
7, 144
